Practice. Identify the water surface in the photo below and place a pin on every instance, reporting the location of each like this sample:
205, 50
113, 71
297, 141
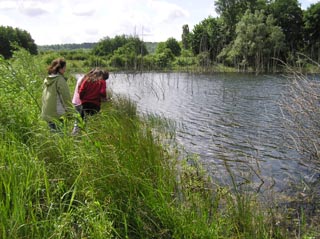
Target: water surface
230, 120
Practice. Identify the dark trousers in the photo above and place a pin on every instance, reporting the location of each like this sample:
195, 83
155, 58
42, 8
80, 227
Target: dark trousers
56, 126
89, 109
78, 108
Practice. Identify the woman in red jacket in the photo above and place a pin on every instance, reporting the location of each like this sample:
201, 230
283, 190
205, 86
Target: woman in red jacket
92, 90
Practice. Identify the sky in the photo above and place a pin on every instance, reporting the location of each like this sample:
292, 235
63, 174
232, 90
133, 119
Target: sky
79, 21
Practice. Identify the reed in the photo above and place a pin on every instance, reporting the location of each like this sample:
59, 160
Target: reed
301, 114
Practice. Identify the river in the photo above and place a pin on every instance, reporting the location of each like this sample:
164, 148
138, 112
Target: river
233, 122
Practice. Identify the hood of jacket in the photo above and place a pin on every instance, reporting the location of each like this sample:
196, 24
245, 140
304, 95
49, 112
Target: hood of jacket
56, 98
51, 79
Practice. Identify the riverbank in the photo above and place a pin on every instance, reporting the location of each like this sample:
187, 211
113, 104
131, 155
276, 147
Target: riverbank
310, 68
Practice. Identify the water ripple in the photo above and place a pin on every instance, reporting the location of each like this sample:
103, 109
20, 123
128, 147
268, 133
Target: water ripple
222, 118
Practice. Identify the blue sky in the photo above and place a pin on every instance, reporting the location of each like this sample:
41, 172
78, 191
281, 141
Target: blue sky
78, 21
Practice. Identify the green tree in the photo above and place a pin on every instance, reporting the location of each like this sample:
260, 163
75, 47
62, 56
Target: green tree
311, 18
231, 12
185, 37
164, 59
174, 46
161, 47
163, 56
288, 16
127, 56
208, 36
107, 46
11, 37
257, 41
5, 48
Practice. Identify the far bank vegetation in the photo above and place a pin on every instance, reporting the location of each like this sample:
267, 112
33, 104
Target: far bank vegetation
247, 36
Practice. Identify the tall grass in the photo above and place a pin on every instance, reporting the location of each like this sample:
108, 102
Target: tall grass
301, 113
118, 179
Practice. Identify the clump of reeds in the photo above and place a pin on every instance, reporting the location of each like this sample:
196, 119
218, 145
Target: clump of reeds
301, 112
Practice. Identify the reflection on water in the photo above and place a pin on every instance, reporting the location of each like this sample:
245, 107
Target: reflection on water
227, 119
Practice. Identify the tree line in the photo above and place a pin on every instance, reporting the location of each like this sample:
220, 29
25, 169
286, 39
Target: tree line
256, 33
68, 46
249, 35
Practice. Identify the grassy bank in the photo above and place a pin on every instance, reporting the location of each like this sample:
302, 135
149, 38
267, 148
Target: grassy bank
119, 179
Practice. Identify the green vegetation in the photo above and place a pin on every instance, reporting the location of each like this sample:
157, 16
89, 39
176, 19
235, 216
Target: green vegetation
11, 38
119, 179
251, 36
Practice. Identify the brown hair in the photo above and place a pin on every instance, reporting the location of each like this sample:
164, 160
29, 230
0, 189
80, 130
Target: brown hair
56, 65
105, 75
97, 74
85, 77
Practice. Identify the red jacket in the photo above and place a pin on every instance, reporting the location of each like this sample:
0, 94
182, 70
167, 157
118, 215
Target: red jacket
92, 92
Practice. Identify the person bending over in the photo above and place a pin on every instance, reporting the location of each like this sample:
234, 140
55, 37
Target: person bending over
92, 90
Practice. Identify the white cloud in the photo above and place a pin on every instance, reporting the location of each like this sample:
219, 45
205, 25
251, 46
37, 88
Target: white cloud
78, 21
33, 12
84, 12
7, 5
31, 8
